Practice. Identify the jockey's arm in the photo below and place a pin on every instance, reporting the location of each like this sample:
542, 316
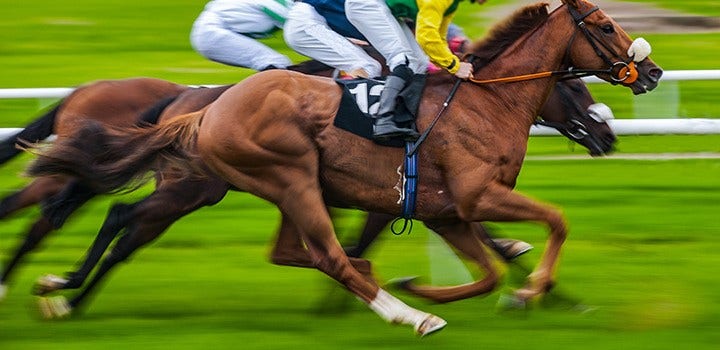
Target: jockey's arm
431, 28
277, 10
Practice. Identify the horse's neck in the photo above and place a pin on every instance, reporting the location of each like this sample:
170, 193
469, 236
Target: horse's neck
540, 51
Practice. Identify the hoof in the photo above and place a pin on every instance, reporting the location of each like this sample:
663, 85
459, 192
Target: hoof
3, 292
511, 249
48, 284
54, 308
430, 325
404, 283
508, 302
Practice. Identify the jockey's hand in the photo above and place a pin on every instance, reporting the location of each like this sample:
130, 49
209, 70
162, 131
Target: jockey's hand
464, 71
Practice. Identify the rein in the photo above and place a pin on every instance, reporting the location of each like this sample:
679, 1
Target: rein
627, 73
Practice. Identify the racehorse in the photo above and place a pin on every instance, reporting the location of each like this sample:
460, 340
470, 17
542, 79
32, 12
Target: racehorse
272, 135
113, 102
570, 109
121, 102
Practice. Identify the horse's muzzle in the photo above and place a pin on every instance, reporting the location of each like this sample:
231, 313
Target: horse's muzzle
649, 75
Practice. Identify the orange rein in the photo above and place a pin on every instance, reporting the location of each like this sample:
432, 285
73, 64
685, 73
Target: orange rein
626, 75
513, 78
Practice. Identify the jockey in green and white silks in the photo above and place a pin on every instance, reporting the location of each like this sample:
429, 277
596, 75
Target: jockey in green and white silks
226, 30
318, 28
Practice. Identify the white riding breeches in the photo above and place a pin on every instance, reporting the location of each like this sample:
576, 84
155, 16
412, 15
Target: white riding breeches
394, 40
308, 33
213, 37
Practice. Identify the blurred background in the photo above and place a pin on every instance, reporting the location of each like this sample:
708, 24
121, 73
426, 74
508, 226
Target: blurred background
640, 262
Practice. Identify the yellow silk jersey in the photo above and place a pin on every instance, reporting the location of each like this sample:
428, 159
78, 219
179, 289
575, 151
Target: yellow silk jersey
432, 18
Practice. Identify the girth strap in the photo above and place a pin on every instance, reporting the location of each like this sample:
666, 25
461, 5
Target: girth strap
409, 190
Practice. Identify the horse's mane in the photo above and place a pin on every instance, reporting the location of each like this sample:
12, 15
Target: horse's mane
505, 33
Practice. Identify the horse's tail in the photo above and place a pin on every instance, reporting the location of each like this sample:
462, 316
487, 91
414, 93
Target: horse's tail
38, 130
111, 159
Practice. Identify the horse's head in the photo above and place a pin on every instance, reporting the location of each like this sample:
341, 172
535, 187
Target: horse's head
599, 43
572, 111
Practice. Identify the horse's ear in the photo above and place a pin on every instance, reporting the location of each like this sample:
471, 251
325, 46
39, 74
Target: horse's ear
572, 3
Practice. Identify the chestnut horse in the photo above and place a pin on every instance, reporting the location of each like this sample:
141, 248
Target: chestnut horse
272, 135
570, 109
119, 102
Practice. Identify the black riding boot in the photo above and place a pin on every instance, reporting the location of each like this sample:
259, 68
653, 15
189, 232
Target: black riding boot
385, 124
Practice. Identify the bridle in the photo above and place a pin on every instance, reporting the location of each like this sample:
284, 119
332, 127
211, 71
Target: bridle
626, 71
577, 128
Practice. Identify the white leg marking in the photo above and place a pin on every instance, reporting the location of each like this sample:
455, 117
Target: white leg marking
393, 310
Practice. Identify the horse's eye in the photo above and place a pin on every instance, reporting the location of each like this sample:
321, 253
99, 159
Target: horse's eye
607, 28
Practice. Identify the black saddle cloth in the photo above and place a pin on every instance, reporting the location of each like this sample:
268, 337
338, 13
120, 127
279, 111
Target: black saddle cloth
360, 97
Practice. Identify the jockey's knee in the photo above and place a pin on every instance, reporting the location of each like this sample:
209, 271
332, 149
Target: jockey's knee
373, 69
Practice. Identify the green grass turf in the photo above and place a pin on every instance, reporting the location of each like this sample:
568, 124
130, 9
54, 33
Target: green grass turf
641, 251
641, 254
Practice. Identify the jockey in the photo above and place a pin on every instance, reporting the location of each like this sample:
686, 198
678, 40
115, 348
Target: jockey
309, 30
226, 32
319, 29
405, 56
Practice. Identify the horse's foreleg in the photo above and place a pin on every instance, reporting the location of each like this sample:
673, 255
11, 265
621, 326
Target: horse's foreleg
499, 203
461, 236
374, 224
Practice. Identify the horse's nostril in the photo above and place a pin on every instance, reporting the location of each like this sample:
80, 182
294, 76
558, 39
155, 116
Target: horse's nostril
655, 74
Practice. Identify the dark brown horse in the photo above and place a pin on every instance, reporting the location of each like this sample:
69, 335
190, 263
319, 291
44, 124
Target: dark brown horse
112, 102
272, 135
123, 102
570, 109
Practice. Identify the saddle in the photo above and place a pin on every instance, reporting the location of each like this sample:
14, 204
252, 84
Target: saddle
360, 98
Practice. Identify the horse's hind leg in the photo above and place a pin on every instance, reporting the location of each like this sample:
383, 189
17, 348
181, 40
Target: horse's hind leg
117, 219
289, 250
144, 222
59, 207
35, 192
303, 204
38, 190
461, 236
